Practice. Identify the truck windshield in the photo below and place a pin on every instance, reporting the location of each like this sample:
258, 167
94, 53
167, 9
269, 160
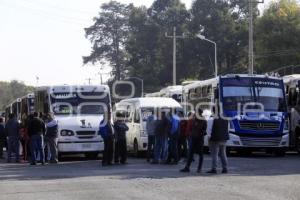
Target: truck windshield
67, 104
267, 92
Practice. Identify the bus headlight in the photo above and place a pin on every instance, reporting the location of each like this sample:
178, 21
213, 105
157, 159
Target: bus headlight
286, 124
231, 125
67, 133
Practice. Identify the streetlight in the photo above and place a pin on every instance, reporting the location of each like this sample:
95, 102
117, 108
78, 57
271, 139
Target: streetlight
202, 37
142, 81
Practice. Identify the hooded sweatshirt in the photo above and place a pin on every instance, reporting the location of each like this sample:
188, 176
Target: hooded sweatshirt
52, 129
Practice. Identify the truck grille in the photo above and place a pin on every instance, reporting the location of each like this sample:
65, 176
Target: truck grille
260, 126
261, 142
86, 133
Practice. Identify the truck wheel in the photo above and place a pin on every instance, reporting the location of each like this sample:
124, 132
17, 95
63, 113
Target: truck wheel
298, 144
135, 148
92, 155
280, 152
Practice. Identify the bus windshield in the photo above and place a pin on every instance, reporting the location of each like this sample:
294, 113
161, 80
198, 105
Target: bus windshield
267, 92
78, 104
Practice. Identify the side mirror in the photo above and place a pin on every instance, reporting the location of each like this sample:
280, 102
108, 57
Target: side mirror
216, 93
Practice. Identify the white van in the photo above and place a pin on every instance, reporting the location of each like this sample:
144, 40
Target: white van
137, 111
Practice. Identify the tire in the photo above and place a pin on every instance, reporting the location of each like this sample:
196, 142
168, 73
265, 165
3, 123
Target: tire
297, 144
135, 148
280, 152
92, 155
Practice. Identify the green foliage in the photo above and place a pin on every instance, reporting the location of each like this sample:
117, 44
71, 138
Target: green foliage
277, 36
133, 39
108, 34
10, 91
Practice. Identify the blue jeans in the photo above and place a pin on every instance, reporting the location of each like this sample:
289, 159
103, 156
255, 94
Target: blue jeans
218, 149
37, 144
161, 148
13, 145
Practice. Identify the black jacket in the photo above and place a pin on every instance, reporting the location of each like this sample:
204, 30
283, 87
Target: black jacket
219, 131
198, 128
52, 129
120, 130
163, 127
12, 128
2, 132
36, 127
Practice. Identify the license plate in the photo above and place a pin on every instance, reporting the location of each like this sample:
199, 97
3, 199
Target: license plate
86, 146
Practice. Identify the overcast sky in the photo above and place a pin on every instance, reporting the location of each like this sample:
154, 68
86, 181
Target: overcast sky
45, 39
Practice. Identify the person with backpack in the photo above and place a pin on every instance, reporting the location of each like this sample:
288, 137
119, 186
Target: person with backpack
198, 132
107, 134
120, 139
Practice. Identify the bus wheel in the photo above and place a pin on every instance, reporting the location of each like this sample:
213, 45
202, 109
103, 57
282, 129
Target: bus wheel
280, 152
92, 155
135, 148
298, 143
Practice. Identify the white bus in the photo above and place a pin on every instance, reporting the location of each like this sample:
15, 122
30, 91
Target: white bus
78, 111
137, 111
292, 84
256, 105
174, 92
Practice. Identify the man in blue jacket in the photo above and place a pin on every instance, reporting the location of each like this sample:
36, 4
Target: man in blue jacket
173, 138
13, 139
106, 132
51, 138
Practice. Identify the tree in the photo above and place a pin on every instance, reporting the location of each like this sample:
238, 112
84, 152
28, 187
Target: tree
277, 36
149, 51
108, 35
10, 91
224, 22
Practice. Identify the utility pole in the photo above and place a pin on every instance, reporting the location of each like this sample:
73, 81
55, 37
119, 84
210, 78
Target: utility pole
174, 37
89, 80
251, 53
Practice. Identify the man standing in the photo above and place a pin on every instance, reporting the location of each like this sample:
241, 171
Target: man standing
120, 139
150, 128
36, 131
198, 131
217, 143
173, 138
12, 133
2, 137
51, 138
106, 132
161, 139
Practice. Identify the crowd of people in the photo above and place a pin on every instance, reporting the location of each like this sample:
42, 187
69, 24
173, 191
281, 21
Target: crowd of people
171, 137
33, 140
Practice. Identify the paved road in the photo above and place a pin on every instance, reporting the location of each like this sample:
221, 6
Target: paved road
256, 177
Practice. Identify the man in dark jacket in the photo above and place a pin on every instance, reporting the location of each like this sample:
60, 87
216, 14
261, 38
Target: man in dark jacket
106, 132
13, 139
36, 132
161, 139
2, 137
217, 142
120, 139
51, 138
198, 132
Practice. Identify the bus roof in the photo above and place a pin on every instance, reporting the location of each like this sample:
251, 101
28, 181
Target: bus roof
153, 102
75, 88
216, 79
